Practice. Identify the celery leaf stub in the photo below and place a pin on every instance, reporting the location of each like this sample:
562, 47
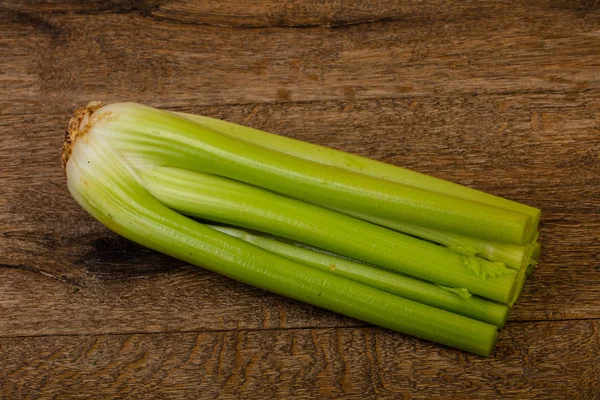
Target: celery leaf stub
379, 243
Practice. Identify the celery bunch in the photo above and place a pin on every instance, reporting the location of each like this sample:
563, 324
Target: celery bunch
366, 239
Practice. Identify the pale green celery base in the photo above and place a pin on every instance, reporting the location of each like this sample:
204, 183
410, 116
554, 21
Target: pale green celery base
157, 137
361, 165
409, 288
105, 185
223, 200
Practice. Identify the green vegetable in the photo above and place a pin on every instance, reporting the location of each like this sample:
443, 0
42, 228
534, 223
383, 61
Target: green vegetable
138, 170
451, 299
514, 256
358, 164
161, 138
224, 200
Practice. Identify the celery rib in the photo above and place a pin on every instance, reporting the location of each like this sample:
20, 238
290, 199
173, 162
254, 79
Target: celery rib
205, 150
223, 200
511, 255
362, 165
447, 299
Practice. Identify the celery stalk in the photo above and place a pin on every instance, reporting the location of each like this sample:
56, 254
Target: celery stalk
403, 286
511, 255
360, 165
227, 201
146, 135
108, 186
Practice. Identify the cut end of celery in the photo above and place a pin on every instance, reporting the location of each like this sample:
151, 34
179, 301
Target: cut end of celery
531, 259
78, 126
536, 252
492, 346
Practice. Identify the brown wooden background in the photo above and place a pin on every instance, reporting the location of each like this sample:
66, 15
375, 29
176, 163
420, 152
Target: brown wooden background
503, 96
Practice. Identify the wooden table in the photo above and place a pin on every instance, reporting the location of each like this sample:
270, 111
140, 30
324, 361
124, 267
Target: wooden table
503, 96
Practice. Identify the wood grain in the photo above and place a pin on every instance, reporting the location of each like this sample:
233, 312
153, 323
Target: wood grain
61, 60
303, 13
500, 96
556, 360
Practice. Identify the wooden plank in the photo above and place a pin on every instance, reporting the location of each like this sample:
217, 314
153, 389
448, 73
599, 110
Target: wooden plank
533, 360
180, 299
540, 149
55, 62
300, 13
76, 6
261, 13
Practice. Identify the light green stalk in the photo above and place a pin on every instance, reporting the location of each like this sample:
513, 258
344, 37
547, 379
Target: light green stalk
223, 200
456, 301
511, 255
365, 166
147, 135
104, 183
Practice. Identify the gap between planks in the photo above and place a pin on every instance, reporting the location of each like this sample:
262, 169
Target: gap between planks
281, 329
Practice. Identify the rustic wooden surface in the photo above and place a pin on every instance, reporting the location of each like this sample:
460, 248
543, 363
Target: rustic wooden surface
501, 96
